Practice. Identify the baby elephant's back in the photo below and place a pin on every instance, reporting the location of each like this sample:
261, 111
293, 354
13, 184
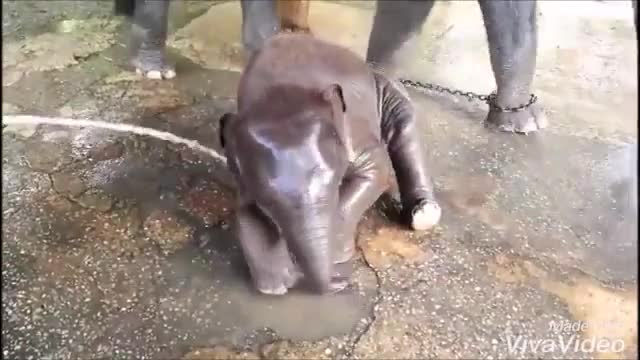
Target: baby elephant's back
300, 60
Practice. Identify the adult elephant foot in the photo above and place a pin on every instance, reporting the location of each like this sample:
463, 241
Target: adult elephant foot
153, 64
148, 38
512, 35
530, 119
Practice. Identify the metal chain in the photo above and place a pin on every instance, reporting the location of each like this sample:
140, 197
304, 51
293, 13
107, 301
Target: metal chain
488, 99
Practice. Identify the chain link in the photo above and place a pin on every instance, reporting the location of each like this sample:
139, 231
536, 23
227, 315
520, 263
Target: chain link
487, 99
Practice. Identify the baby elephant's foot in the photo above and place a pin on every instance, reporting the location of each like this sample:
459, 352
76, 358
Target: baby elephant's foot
425, 215
528, 120
278, 284
152, 64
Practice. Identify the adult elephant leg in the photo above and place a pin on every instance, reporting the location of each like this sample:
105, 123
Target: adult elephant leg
149, 36
512, 36
260, 21
265, 252
408, 156
359, 191
394, 23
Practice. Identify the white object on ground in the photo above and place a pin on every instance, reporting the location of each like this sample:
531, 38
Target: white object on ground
133, 129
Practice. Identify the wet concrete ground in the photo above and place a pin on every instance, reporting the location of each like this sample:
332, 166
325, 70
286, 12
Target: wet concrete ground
118, 246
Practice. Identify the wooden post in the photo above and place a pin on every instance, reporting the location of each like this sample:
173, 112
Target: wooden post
294, 15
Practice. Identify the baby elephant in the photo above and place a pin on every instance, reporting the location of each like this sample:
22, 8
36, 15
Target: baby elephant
314, 144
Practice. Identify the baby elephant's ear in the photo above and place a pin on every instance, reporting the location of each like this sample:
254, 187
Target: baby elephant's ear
223, 124
333, 94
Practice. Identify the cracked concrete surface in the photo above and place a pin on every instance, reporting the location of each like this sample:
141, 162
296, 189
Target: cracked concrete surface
118, 246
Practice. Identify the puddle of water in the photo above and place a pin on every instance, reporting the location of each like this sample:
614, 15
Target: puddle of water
209, 203
228, 297
384, 244
576, 210
471, 196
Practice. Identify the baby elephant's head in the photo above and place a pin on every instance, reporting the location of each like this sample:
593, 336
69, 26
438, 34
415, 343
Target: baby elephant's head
288, 156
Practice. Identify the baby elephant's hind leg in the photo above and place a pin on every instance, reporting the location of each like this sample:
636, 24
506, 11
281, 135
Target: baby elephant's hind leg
408, 157
267, 256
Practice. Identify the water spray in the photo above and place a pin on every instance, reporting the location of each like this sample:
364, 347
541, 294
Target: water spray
132, 129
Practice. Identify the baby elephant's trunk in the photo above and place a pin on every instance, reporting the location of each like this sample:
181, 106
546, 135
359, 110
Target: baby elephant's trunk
309, 235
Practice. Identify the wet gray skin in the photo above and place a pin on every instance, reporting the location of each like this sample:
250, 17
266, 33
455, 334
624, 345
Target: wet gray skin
311, 154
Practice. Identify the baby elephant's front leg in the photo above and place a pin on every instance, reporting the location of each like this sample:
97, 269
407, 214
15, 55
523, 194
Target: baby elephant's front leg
270, 265
408, 157
360, 189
